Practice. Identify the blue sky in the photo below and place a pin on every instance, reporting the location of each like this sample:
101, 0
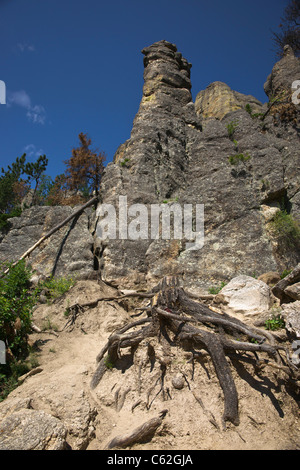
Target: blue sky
74, 66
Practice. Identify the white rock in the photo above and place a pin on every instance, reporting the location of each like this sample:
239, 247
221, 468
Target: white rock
245, 296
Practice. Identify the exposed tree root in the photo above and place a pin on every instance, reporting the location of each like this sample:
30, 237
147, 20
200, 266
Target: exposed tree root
176, 319
73, 311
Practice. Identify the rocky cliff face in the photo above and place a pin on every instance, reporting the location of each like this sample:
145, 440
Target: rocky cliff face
68, 252
243, 167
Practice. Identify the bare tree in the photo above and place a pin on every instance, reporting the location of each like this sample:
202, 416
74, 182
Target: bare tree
85, 167
289, 33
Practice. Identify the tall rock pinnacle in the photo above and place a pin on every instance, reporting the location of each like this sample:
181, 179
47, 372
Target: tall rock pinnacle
155, 151
166, 70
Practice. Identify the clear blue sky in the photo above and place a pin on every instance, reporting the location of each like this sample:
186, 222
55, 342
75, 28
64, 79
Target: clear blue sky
74, 66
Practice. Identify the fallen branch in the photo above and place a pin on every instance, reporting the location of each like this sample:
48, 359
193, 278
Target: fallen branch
74, 310
51, 232
142, 433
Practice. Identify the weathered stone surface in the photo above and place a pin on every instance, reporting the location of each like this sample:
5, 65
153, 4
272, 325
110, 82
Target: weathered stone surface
28, 429
292, 278
284, 73
218, 99
270, 278
293, 291
174, 157
178, 382
245, 296
291, 315
67, 252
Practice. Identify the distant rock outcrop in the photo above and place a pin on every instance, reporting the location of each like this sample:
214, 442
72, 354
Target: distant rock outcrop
218, 99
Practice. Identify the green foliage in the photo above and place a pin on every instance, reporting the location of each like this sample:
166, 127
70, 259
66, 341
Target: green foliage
44, 188
13, 188
285, 273
248, 109
125, 161
231, 126
239, 157
34, 170
16, 304
8, 197
9, 377
216, 290
235, 144
56, 287
108, 363
4, 218
274, 323
286, 228
9, 374
252, 114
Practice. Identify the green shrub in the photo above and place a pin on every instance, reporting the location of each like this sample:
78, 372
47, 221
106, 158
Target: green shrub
16, 304
231, 126
216, 290
274, 323
4, 218
56, 287
285, 273
239, 157
248, 109
125, 161
286, 228
108, 363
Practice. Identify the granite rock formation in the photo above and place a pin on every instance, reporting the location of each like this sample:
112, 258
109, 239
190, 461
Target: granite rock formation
68, 252
242, 168
218, 99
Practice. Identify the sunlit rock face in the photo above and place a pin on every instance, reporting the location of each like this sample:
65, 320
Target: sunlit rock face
218, 99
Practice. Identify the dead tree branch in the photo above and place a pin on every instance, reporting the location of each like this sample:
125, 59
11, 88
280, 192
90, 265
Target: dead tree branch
51, 232
142, 433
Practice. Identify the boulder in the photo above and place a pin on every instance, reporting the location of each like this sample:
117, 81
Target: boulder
245, 296
28, 429
293, 291
284, 73
281, 286
291, 316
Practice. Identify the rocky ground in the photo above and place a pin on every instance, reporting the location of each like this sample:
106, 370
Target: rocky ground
56, 408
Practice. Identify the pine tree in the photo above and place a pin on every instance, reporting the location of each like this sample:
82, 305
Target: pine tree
85, 167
